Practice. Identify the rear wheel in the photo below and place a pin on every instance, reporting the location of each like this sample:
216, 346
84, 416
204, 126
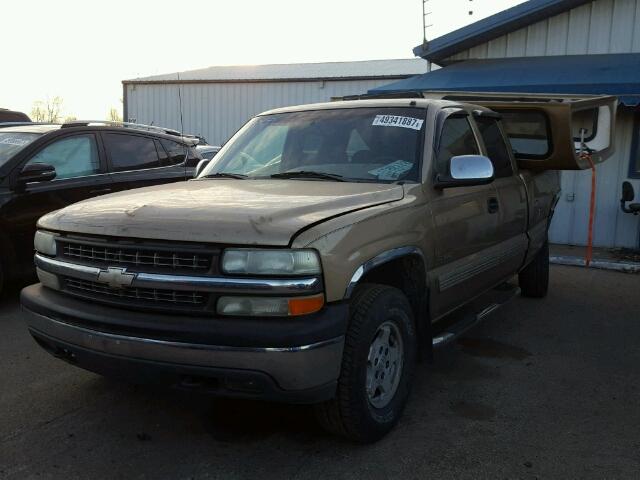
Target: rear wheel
377, 366
534, 278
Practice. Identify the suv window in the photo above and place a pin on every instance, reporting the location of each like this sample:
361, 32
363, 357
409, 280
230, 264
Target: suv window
496, 147
456, 139
75, 156
131, 152
177, 152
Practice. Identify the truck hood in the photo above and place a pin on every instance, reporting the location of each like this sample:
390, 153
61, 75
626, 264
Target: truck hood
244, 212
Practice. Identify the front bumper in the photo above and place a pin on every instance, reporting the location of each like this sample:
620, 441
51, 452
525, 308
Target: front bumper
303, 372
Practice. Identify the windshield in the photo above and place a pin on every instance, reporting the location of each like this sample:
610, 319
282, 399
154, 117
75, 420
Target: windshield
12, 142
354, 144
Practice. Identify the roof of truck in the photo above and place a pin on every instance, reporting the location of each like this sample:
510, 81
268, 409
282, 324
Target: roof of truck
379, 102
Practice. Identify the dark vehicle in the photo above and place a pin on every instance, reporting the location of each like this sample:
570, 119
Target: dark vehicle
47, 167
12, 116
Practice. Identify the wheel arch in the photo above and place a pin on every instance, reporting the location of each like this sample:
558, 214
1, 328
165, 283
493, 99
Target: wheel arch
404, 268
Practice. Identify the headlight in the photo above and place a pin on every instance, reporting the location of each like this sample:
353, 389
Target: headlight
269, 306
45, 242
270, 262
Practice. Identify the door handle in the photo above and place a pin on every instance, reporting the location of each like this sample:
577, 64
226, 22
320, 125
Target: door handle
492, 205
100, 191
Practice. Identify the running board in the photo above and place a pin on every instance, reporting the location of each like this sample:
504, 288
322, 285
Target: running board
457, 323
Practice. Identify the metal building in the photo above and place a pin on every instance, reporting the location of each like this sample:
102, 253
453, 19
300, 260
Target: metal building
216, 101
566, 47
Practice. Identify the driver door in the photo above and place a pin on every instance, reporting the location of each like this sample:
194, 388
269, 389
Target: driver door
80, 174
467, 225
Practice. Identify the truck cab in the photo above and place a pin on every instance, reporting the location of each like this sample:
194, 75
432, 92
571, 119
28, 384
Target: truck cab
318, 258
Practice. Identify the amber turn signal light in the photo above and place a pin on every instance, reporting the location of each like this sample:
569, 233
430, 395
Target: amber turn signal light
305, 305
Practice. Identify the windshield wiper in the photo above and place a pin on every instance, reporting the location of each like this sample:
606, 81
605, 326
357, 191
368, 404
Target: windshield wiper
239, 176
309, 174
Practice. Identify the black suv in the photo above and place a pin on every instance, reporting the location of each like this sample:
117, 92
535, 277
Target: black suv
12, 116
47, 167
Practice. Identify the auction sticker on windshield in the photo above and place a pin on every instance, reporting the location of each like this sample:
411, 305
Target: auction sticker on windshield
397, 121
18, 142
392, 171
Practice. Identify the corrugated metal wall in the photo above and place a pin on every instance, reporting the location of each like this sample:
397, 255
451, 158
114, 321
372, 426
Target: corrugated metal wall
217, 110
612, 227
602, 26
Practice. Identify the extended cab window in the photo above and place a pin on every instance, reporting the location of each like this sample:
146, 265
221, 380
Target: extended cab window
494, 142
75, 156
131, 152
456, 139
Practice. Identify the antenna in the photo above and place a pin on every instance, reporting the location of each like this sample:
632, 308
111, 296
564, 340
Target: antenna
426, 12
186, 150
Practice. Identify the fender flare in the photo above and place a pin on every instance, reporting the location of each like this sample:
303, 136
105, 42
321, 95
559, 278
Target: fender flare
380, 259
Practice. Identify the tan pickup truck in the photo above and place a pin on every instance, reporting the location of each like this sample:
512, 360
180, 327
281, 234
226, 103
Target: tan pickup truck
315, 259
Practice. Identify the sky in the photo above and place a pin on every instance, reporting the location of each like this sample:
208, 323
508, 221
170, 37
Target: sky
81, 50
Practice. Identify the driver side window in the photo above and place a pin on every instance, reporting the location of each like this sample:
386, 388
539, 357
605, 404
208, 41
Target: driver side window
456, 139
75, 156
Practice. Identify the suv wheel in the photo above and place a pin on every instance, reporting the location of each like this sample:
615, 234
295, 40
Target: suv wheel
377, 366
534, 278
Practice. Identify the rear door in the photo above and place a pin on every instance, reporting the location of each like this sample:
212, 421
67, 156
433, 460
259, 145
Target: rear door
139, 161
512, 194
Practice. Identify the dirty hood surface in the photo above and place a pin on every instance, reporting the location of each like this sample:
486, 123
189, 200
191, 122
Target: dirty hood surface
245, 212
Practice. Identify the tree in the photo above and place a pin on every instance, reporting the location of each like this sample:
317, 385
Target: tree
114, 115
49, 111
54, 108
38, 113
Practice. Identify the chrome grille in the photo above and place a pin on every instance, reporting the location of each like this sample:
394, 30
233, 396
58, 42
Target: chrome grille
136, 256
144, 296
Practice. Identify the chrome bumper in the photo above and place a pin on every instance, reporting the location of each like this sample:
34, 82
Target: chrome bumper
293, 368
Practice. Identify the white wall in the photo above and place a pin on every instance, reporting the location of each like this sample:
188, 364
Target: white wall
612, 227
217, 110
602, 26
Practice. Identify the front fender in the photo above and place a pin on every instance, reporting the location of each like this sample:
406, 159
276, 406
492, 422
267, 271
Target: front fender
348, 244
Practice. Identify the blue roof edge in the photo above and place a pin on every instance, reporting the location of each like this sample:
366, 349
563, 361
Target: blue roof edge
494, 26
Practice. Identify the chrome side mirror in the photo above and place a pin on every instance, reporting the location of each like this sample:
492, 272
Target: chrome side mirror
465, 171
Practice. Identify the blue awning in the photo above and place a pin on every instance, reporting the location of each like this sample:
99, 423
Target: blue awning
607, 74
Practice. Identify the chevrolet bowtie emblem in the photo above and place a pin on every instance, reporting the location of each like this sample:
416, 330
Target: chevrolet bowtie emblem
116, 277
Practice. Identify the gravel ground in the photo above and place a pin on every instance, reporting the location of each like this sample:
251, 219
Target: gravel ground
542, 389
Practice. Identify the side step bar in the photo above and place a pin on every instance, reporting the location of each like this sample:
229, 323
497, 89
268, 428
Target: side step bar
457, 323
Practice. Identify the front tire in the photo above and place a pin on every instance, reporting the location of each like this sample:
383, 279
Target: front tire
377, 366
534, 278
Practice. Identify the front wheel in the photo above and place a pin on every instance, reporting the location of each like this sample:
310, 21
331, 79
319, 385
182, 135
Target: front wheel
377, 366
